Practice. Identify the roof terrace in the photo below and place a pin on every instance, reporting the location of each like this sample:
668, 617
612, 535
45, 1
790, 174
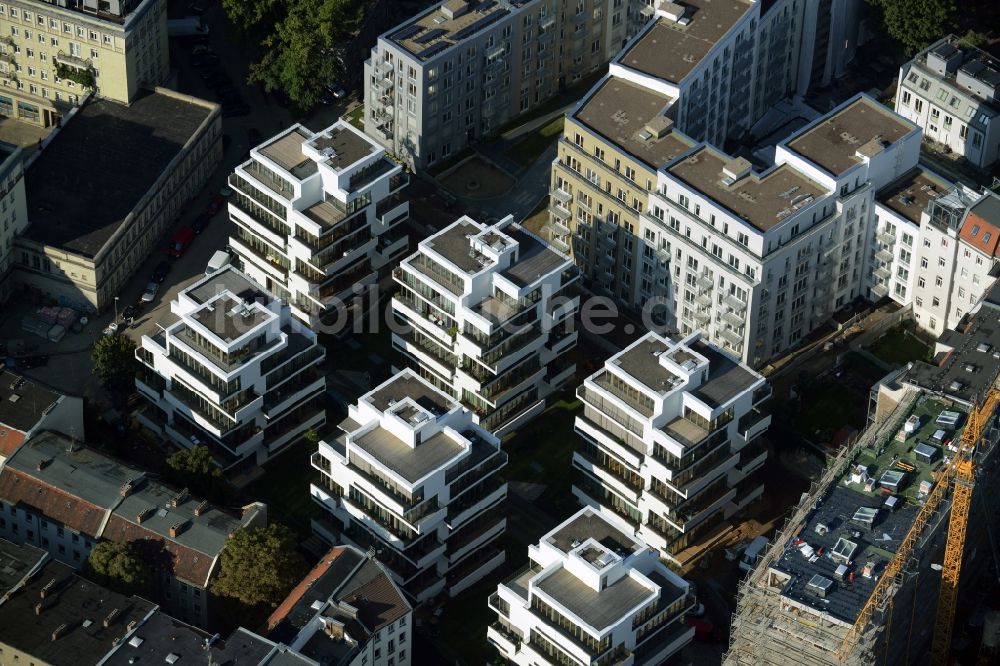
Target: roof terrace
909, 196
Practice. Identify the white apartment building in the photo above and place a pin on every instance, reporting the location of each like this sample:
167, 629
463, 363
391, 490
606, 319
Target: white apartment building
592, 594
463, 68
939, 243
488, 313
759, 260
53, 53
670, 441
318, 215
13, 212
413, 477
234, 371
950, 90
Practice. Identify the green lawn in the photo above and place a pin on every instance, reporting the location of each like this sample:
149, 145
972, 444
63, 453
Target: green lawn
463, 625
356, 117
542, 452
898, 346
528, 149
284, 487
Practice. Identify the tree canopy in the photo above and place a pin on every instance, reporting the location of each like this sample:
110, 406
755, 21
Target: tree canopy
194, 468
114, 364
301, 40
915, 23
260, 566
118, 566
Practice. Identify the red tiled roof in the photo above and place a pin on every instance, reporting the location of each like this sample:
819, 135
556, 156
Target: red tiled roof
379, 602
980, 234
285, 607
188, 564
10, 440
59, 506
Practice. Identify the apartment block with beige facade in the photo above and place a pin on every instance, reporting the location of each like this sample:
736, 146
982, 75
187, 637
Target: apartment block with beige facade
95, 215
462, 69
13, 211
54, 52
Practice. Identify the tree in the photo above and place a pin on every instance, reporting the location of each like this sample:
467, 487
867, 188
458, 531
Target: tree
915, 23
259, 566
118, 566
302, 42
974, 39
194, 468
114, 363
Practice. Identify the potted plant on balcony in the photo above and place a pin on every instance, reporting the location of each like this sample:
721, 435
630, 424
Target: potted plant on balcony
83, 77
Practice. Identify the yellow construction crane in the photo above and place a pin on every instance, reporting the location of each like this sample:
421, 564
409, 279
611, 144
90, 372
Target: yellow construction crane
963, 470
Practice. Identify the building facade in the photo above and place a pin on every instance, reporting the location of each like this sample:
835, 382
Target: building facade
461, 69
13, 212
94, 216
64, 498
591, 594
671, 440
318, 217
487, 314
950, 90
347, 611
414, 478
236, 372
55, 52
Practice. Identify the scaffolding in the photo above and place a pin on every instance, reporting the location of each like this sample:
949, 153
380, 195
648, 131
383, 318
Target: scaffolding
768, 628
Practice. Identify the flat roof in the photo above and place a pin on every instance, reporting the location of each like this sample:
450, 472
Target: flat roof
599, 609
228, 279
727, 377
286, 152
90, 177
342, 146
74, 606
535, 257
669, 50
834, 141
410, 462
433, 31
407, 384
453, 244
17, 562
908, 197
620, 110
230, 318
23, 402
762, 201
589, 525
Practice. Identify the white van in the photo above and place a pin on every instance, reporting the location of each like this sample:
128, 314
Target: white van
753, 553
219, 260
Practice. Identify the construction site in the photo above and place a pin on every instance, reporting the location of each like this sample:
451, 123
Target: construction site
871, 564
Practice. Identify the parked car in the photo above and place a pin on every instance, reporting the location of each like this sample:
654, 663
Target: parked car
160, 272
180, 241
215, 204
200, 223
336, 91
704, 630
130, 312
226, 192
150, 293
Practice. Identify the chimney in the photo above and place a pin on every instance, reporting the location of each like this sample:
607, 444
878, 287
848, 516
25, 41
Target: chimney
128, 487
38, 609
179, 498
58, 631
42, 464
130, 626
144, 515
48, 586
176, 529
110, 618
201, 508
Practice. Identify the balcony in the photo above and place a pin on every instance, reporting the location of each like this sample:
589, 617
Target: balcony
735, 302
561, 195
886, 238
882, 273
754, 423
733, 319
732, 337
880, 290
884, 255
559, 211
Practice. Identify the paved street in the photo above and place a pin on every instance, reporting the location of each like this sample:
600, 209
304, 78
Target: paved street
69, 366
